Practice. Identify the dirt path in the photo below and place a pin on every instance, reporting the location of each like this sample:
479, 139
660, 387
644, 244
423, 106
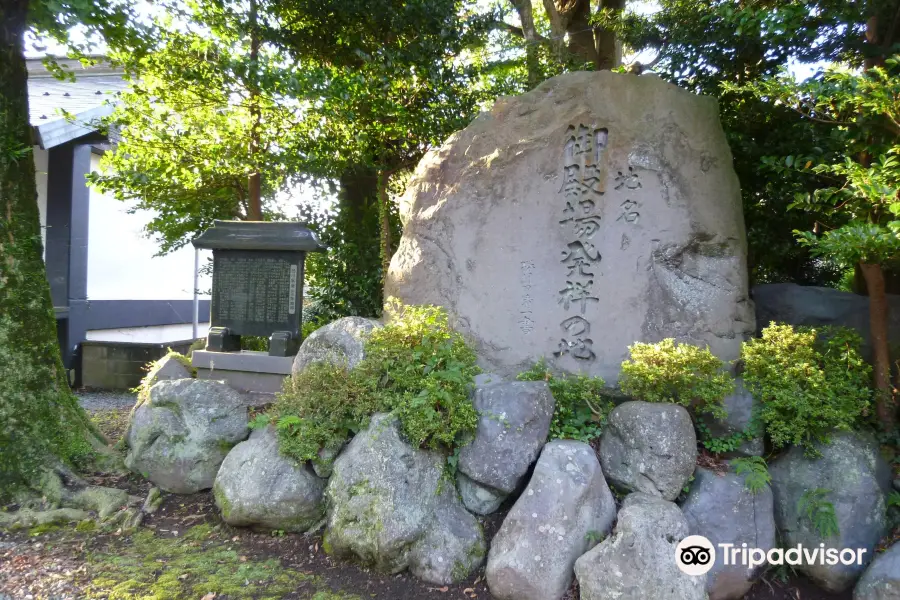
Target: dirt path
186, 551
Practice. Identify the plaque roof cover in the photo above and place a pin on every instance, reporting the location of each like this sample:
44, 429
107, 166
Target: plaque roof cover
259, 235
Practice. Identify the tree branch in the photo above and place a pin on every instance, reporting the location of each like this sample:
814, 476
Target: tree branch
516, 31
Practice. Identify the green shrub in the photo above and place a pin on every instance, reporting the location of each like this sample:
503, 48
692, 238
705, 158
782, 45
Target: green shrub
256, 343
320, 407
422, 370
416, 367
682, 373
808, 382
581, 409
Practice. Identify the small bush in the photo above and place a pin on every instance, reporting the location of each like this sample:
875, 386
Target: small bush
808, 382
416, 367
669, 371
581, 409
422, 370
320, 408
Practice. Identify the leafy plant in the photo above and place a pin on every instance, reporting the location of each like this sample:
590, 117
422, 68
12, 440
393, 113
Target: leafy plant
320, 407
682, 373
581, 408
893, 509
593, 537
757, 474
819, 512
731, 442
423, 371
720, 444
416, 367
809, 382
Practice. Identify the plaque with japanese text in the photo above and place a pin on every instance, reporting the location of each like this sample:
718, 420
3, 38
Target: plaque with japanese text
256, 292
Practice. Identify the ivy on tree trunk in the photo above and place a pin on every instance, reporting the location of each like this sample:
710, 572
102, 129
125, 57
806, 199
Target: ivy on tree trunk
40, 419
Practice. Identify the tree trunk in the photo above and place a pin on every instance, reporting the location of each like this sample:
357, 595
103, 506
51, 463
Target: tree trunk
360, 226
384, 222
529, 33
878, 321
40, 419
571, 19
254, 183
609, 51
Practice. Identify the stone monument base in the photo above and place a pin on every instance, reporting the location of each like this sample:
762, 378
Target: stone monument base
255, 374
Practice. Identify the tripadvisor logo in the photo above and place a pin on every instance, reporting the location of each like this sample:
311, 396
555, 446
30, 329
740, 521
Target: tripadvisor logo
696, 555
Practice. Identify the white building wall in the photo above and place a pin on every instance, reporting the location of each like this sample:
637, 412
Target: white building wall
121, 261
41, 160
160, 334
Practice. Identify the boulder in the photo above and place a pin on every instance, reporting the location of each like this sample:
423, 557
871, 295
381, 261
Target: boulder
513, 423
258, 487
565, 509
723, 510
480, 499
488, 379
809, 305
648, 447
881, 581
180, 435
638, 561
339, 342
856, 480
170, 366
391, 507
739, 406
523, 225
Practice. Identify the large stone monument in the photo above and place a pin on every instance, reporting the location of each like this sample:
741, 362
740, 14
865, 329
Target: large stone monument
597, 210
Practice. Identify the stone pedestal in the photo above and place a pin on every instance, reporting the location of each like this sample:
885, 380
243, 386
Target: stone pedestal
255, 374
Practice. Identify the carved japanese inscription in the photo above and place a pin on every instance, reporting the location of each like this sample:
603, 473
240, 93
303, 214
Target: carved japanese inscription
255, 293
583, 189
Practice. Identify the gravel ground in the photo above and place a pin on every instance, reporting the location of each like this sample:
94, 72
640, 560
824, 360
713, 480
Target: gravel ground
103, 400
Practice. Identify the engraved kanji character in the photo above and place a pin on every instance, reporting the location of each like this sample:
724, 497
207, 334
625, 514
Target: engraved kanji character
576, 326
578, 292
586, 227
593, 178
627, 180
580, 249
527, 300
582, 349
629, 215
579, 348
579, 255
571, 184
526, 325
527, 267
